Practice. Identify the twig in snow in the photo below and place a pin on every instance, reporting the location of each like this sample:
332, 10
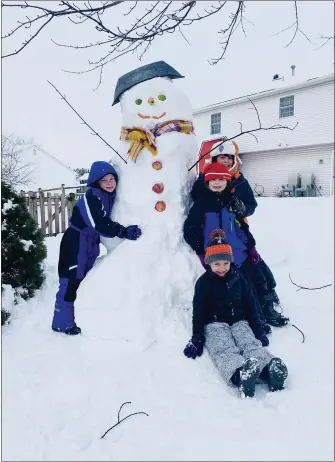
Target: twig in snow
85, 123
118, 418
303, 335
307, 288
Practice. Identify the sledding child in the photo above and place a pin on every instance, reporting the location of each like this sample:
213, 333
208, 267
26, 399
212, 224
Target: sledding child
243, 203
225, 318
79, 247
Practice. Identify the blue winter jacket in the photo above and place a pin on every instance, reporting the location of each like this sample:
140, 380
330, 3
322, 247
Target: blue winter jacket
210, 213
93, 210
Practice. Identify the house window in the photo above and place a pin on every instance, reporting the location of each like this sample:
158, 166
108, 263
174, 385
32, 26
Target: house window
286, 106
216, 123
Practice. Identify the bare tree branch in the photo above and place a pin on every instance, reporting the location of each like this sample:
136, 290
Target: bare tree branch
146, 23
15, 170
247, 132
122, 420
325, 40
297, 28
307, 288
85, 123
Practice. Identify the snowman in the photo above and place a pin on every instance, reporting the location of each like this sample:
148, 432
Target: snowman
141, 284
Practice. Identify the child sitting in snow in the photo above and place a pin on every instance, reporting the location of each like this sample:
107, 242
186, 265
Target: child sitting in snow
79, 247
225, 317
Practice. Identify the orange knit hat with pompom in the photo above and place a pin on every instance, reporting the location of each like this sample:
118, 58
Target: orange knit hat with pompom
217, 248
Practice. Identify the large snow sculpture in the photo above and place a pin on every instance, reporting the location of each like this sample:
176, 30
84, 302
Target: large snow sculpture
142, 283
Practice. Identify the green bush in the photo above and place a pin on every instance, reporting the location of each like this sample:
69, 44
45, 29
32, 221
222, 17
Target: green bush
22, 247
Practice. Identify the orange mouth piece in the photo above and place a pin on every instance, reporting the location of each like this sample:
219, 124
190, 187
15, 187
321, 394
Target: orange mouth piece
151, 117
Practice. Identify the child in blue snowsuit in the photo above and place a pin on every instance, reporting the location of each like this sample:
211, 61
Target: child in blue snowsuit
79, 247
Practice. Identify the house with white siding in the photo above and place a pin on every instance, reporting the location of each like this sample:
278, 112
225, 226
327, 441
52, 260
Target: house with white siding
46, 170
276, 155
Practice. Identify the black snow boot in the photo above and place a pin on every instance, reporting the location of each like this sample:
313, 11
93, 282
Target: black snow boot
275, 374
272, 316
245, 377
274, 297
75, 330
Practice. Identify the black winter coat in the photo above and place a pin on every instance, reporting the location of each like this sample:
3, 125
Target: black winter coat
242, 191
224, 299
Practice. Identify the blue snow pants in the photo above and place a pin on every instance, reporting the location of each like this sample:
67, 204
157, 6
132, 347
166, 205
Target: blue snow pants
79, 250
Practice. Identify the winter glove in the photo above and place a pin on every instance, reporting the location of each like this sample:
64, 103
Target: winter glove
237, 206
195, 346
133, 232
253, 256
260, 334
265, 341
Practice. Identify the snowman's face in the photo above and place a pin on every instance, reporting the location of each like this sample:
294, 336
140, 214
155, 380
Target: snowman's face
154, 101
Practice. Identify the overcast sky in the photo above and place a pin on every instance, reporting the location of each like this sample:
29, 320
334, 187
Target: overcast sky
32, 109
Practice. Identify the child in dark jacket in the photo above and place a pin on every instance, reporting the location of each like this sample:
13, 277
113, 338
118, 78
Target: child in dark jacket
225, 317
244, 204
79, 247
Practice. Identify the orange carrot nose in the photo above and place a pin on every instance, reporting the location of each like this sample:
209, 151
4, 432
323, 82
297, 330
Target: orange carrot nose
151, 100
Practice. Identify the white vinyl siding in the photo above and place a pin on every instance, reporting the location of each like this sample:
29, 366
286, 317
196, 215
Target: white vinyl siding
286, 106
216, 123
271, 169
314, 110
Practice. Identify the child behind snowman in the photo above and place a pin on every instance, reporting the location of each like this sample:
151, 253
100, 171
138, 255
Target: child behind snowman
225, 317
79, 247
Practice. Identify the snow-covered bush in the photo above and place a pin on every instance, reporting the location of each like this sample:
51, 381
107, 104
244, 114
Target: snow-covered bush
22, 249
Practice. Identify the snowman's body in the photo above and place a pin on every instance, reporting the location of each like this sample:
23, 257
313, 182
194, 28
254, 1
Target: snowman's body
150, 277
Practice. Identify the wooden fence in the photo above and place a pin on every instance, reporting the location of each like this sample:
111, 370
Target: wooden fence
52, 209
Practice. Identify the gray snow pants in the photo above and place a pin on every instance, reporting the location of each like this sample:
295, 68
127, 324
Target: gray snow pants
230, 346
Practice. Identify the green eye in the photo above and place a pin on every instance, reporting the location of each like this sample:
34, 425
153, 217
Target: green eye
138, 101
162, 97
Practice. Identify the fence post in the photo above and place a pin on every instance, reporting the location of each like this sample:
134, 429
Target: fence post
49, 213
30, 202
56, 199
42, 211
34, 206
62, 211
70, 203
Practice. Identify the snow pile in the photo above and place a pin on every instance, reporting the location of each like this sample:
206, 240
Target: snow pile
27, 244
61, 394
8, 206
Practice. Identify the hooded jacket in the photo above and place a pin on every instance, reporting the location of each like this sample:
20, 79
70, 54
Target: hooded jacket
94, 209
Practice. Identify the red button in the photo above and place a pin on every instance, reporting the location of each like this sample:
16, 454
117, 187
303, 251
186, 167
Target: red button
157, 165
158, 188
160, 206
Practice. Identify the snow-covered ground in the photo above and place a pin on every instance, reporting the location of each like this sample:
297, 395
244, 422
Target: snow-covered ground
60, 394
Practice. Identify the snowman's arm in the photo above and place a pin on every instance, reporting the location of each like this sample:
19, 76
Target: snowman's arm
193, 229
99, 220
200, 299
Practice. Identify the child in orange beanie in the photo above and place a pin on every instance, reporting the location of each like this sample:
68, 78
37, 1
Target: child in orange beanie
225, 317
